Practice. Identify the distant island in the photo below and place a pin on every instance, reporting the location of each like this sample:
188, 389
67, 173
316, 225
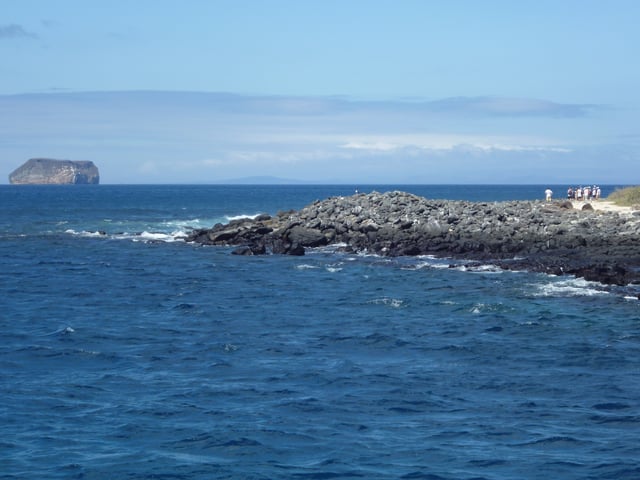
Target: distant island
47, 171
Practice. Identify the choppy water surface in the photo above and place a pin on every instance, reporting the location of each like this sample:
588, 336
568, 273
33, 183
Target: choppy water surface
130, 354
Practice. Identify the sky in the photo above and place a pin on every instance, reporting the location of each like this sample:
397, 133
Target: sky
326, 91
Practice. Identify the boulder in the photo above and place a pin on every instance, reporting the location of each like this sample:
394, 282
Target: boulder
306, 237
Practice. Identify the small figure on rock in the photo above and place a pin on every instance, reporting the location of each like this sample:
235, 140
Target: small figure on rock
548, 193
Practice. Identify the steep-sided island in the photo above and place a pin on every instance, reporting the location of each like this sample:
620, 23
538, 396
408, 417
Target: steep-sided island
551, 237
48, 171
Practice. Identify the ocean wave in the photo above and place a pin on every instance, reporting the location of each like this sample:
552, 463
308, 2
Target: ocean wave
388, 302
144, 236
483, 268
159, 237
431, 261
85, 233
231, 218
306, 266
573, 287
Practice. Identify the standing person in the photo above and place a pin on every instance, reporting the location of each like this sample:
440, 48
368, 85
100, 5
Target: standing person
570, 193
548, 194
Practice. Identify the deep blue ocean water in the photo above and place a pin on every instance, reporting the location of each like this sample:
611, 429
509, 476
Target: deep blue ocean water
131, 354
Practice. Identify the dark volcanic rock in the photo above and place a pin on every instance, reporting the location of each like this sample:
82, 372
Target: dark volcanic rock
538, 236
38, 171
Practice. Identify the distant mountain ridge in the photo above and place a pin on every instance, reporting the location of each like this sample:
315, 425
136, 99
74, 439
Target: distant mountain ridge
48, 171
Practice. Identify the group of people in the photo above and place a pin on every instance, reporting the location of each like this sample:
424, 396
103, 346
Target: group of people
578, 193
584, 193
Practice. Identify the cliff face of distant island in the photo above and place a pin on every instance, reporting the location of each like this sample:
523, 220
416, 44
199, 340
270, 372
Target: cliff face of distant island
47, 171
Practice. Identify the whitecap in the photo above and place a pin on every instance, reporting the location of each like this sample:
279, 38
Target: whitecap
230, 218
61, 331
484, 268
159, 237
192, 223
332, 248
84, 233
478, 308
334, 267
388, 301
573, 287
306, 266
431, 261
88, 352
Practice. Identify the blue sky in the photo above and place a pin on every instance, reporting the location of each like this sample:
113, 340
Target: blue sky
325, 91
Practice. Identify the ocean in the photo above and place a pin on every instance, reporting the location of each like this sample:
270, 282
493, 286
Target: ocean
127, 353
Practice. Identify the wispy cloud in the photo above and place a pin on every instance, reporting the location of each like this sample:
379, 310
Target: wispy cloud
15, 31
451, 141
318, 106
477, 106
466, 106
511, 107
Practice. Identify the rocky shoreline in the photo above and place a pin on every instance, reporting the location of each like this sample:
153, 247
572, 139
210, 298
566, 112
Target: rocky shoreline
550, 237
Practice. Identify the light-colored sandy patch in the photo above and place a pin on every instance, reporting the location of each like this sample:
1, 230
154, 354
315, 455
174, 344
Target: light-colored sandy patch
603, 205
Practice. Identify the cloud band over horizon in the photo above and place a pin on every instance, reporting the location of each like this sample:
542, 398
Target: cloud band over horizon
184, 137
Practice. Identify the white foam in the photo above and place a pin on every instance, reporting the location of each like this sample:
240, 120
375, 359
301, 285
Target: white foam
306, 266
388, 301
159, 237
84, 233
63, 331
480, 268
430, 261
144, 236
478, 308
194, 223
230, 218
572, 287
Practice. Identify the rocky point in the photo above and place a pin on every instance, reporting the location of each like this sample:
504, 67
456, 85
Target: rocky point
550, 237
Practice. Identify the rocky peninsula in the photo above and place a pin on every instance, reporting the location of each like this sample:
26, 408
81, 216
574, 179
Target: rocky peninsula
47, 171
550, 237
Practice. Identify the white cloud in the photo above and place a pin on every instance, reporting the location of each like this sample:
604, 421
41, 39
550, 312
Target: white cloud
382, 143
